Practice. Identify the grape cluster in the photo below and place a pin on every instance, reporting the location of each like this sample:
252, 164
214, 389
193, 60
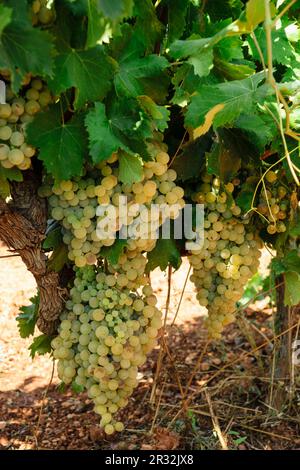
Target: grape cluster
41, 14
104, 336
14, 115
228, 257
274, 203
82, 206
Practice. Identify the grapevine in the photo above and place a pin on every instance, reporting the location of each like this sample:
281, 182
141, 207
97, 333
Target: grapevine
115, 120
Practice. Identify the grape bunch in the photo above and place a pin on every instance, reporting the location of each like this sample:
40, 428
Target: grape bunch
41, 13
104, 336
83, 205
274, 202
228, 257
14, 115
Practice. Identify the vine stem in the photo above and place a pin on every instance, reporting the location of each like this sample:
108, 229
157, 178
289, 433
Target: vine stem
178, 149
162, 348
181, 295
261, 56
279, 98
283, 11
268, 29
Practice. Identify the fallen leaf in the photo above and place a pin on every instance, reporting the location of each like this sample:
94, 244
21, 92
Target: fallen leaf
165, 439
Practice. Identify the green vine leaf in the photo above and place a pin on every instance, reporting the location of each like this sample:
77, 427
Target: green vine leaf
24, 50
90, 72
62, 146
6, 175
199, 53
164, 253
130, 168
5, 17
116, 9
237, 96
292, 288
133, 68
41, 345
113, 253
102, 140
27, 317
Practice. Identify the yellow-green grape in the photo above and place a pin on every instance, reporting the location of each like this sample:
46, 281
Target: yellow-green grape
104, 336
15, 156
5, 111
228, 258
274, 203
80, 199
14, 115
41, 14
271, 176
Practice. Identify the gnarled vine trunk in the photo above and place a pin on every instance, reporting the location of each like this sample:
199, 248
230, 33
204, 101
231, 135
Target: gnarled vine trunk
283, 349
23, 222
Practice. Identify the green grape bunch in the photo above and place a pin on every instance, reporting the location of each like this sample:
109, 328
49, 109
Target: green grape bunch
75, 204
15, 114
228, 258
274, 202
105, 334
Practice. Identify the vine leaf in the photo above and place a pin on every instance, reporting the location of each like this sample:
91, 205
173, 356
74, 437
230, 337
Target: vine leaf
198, 51
159, 114
90, 72
130, 168
237, 96
291, 261
132, 68
224, 9
292, 288
191, 161
24, 50
225, 158
112, 253
41, 345
77, 388
255, 13
27, 317
282, 50
5, 17
116, 9
53, 239
147, 27
102, 140
204, 128
58, 258
62, 145
289, 265
262, 128
163, 253
6, 175
98, 27
176, 18
232, 71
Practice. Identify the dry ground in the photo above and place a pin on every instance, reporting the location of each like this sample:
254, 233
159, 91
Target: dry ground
228, 386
